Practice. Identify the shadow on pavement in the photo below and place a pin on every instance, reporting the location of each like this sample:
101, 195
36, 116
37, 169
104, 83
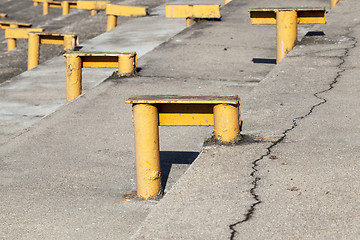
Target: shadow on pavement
264, 60
168, 158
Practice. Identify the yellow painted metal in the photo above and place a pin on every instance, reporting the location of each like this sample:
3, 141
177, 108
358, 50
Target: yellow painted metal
3, 15
92, 5
305, 15
226, 122
190, 21
286, 33
127, 11
33, 50
73, 77
45, 8
11, 43
286, 20
10, 24
227, 1
192, 11
65, 8
11, 34
75, 61
149, 111
194, 114
21, 33
70, 42
147, 155
100, 61
127, 64
333, 3
113, 11
35, 39
103, 59
185, 110
111, 22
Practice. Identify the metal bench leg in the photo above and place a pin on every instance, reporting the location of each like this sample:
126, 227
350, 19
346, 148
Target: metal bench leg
11, 42
73, 77
148, 176
111, 22
286, 32
226, 122
33, 50
65, 7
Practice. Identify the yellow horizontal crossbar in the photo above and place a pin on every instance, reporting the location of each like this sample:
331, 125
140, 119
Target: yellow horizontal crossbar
53, 38
92, 5
100, 59
192, 11
304, 15
21, 33
186, 114
54, 4
127, 11
8, 24
185, 110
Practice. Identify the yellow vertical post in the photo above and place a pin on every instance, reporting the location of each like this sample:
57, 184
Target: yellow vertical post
226, 122
286, 32
11, 43
333, 3
65, 7
73, 77
190, 21
33, 50
127, 64
45, 8
148, 175
93, 12
69, 42
111, 22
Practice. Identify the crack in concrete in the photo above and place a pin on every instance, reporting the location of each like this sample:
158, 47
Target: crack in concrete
256, 197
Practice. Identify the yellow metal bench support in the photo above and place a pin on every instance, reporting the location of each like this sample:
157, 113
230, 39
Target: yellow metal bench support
66, 5
3, 15
93, 6
11, 24
35, 39
149, 112
112, 11
11, 34
126, 63
193, 12
333, 3
286, 20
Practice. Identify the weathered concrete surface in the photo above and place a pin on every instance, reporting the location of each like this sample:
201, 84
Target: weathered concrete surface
301, 122
79, 22
65, 177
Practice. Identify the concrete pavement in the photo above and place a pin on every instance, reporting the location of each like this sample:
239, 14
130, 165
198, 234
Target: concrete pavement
66, 176
299, 158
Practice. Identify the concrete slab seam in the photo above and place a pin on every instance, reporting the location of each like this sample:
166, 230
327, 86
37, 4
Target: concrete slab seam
256, 197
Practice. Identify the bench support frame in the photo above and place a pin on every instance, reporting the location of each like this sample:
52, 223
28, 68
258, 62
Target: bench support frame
146, 118
69, 42
125, 62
